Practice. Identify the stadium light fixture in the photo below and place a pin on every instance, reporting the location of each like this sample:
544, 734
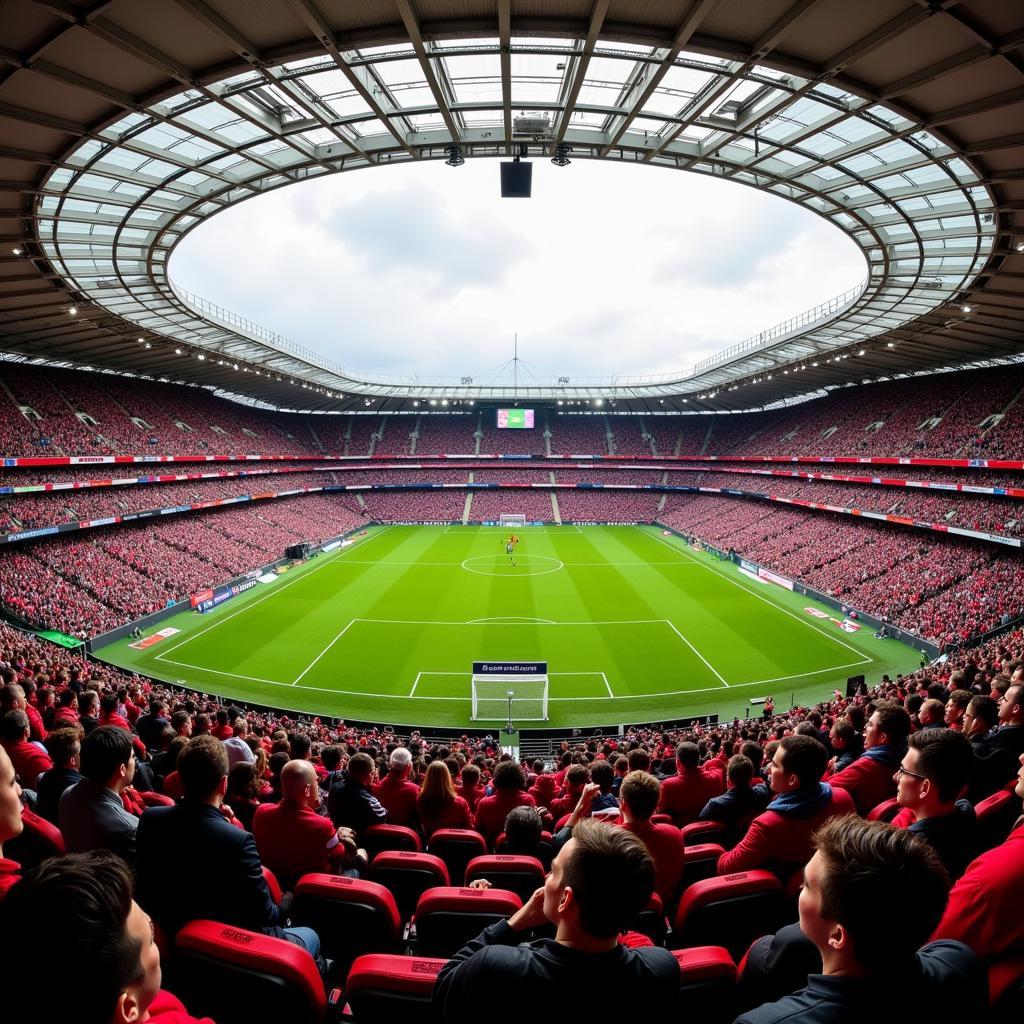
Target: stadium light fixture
148, 345
16, 250
889, 344
72, 311
433, 401
455, 157
177, 351
966, 308
561, 157
861, 352
598, 401
1020, 247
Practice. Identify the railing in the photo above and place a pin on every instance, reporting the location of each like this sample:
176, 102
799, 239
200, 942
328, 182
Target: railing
808, 318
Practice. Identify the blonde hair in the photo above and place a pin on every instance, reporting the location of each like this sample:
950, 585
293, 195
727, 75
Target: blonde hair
438, 790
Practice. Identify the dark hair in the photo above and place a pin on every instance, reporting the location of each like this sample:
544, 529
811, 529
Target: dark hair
509, 776
870, 864
13, 726
64, 743
611, 875
179, 718
740, 770
603, 774
85, 898
360, 766
201, 766
330, 757
893, 721
981, 707
577, 775
470, 774
104, 750
523, 827
243, 782
108, 703
640, 793
639, 760
805, 758
688, 755
960, 698
844, 730
946, 757
754, 752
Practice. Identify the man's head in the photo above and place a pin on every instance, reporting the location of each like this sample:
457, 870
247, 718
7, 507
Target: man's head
203, 769
14, 727
509, 776
298, 783
932, 712
108, 757
856, 889
687, 756
64, 745
603, 774
889, 725
10, 805
600, 880
1011, 709
842, 734
88, 704
110, 964
470, 776
181, 723
639, 795
981, 715
798, 763
360, 767
576, 778
400, 763
740, 771
934, 770
639, 760
12, 697
523, 828
956, 706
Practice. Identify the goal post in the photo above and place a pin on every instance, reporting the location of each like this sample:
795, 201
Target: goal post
510, 691
511, 520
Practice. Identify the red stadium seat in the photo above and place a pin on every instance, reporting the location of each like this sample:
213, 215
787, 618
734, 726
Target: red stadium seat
704, 832
661, 819
408, 875
39, 840
448, 917
352, 916
885, 811
707, 984
700, 861
392, 988
272, 884
521, 875
390, 837
730, 911
996, 815
457, 847
543, 854
237, 976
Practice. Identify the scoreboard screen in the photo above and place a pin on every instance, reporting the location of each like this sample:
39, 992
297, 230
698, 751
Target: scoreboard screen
515, 419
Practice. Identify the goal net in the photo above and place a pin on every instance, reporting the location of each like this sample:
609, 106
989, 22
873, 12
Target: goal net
491, 697
512, 520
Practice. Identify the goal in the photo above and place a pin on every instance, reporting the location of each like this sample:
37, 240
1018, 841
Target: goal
491, 698
512, 520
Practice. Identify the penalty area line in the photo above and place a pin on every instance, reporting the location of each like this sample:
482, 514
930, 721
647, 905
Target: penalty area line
714, 671
298, 678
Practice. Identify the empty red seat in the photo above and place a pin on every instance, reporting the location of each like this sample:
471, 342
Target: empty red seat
408, 875
448, 917
885, 811
996, 815
390, 837
521, 875
457, 847
707, 984
704, 832
389, 988
352, 916
730, 911
237, 976
700, 861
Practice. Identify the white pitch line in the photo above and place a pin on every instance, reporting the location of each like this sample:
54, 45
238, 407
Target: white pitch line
760, 597
715, 671
323, 652
607, 686
475, 622
415, 683
275, 590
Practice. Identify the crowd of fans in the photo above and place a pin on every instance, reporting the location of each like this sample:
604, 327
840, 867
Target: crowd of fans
893, 806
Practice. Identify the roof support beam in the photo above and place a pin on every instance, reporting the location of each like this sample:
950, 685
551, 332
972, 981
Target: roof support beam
412, 27
582, 62
505, 58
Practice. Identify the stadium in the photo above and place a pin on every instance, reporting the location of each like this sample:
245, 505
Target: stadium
670, 642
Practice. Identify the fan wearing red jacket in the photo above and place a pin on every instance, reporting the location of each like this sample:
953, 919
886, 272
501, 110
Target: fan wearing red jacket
509, 791
870, 779
685, 793
110, 964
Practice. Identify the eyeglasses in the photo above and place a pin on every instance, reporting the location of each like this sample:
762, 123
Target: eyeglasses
901, 771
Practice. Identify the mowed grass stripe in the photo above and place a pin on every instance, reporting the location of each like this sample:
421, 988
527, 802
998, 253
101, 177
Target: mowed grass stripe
410, 577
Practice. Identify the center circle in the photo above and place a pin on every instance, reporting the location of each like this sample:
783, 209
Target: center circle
501, 565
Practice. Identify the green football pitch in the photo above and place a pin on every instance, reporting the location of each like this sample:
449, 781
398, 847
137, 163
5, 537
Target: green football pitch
635, 627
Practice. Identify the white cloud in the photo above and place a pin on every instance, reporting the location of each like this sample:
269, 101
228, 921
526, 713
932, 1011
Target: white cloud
608, 269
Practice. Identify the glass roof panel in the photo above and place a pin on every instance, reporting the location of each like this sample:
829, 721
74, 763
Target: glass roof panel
475, 79
536, 78
400, 72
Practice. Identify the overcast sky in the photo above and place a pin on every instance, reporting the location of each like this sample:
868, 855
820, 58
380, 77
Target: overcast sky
608, 269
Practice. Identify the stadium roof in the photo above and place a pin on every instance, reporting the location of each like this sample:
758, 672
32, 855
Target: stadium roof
123, 125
